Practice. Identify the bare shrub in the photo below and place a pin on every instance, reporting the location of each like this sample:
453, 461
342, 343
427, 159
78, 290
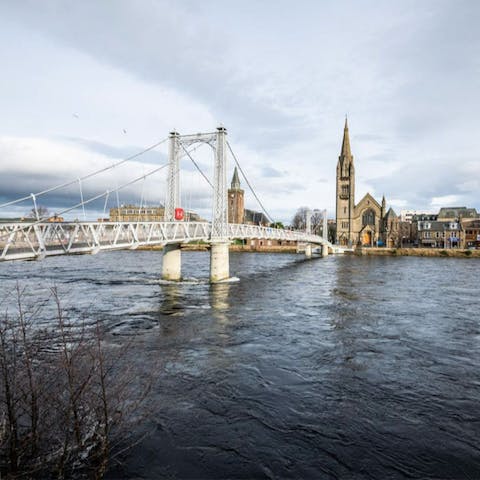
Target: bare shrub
68, 400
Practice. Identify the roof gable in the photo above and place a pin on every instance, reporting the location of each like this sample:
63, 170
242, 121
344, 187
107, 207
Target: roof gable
391, 213
368, 201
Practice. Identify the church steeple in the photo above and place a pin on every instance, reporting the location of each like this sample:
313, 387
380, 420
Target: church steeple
236, 205
346, 152
345, 204
235, 180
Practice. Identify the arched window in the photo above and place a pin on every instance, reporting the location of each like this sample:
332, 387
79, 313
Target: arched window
368, 217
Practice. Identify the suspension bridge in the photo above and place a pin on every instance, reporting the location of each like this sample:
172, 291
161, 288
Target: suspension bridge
42, 237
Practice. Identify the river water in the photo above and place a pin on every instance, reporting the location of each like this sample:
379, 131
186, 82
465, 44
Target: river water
343, 367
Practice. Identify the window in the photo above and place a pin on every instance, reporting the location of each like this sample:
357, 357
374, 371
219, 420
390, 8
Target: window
368, 217
344, 209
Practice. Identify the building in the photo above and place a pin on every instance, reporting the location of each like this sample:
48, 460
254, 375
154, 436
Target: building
390, 229
135, 213
451, 227
457, 213
470, 233
252, 217
55, 219
436, 231
236, 202
367, 222
405, 238
407, 215
237, 213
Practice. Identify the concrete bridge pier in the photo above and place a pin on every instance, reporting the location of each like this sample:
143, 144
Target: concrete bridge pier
172, 262
219, 261
324, 250
308, 250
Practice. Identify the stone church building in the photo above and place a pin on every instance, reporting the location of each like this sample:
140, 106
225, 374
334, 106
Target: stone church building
237, 213
366, 223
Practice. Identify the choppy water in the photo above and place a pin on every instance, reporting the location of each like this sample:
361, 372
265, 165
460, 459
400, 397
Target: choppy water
344, 367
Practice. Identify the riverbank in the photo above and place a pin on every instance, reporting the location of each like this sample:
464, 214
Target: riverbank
233, 248
380, 251
418, 252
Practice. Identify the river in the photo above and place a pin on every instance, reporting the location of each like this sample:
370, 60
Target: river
343, 367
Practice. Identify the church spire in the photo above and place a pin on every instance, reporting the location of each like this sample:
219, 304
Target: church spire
235, 180
346, 152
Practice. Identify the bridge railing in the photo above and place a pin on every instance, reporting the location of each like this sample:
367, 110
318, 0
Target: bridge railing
23, 241
270, 233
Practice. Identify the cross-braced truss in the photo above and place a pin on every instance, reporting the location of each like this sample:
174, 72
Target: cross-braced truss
20, 241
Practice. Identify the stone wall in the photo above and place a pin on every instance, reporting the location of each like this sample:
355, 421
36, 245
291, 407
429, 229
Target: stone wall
419, 252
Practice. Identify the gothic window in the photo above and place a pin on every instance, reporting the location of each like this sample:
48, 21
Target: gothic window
368, 217
345, 190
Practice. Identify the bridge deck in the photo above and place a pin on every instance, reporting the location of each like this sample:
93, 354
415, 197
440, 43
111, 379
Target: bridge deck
22, 241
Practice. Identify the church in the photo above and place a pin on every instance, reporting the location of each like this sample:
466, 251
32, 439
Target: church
366, 223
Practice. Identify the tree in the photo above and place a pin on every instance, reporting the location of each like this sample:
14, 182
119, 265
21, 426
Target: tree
332, 232
299, 221
41, 211
277, 225
317, 222
69, 400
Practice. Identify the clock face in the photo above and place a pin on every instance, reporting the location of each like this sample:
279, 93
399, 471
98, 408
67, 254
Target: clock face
232, 195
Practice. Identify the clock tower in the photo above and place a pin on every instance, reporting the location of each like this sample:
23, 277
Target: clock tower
236, 206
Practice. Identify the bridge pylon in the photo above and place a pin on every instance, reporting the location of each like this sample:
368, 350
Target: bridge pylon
219, 253
172, 200
219, 236
172, 256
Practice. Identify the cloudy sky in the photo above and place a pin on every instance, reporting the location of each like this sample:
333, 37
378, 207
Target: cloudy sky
86, 83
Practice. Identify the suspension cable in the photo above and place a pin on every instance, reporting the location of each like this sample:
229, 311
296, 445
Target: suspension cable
121, 187
91, 199
81, 199
71, 182
106, 202
196, 165
248, 183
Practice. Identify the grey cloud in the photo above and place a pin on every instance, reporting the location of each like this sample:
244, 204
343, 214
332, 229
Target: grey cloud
161, 43
286, 188
118, 153
418, 183
270, 172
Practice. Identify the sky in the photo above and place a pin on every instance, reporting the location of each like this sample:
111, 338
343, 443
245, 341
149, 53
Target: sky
86, 84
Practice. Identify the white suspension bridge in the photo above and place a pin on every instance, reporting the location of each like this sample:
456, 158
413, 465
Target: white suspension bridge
44, 237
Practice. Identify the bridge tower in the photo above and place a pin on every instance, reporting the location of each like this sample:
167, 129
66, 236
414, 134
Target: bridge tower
172, 256
308, 230
219, 254
325, 233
